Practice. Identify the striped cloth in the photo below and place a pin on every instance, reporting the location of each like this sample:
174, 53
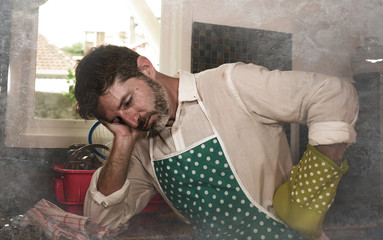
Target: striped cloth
56, 223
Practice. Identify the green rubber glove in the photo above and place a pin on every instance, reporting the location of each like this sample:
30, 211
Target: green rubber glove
303, 201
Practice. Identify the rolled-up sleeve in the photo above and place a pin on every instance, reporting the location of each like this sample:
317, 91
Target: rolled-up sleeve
110, 200
332, 112
325, 133
328, 105
119, 207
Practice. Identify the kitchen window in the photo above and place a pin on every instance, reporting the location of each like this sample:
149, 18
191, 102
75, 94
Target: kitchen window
24, 127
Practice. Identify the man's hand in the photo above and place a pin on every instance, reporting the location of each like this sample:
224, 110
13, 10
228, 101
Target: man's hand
119, 129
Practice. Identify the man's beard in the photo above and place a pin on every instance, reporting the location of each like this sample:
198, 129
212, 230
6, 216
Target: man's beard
161, 108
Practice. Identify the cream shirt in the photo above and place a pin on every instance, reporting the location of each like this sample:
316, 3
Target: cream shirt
247, 105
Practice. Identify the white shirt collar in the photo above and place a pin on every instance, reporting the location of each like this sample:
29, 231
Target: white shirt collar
187, 89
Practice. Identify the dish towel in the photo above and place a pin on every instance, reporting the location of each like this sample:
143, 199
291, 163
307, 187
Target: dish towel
56, 223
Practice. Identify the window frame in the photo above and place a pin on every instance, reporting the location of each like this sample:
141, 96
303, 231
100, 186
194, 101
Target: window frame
22, 129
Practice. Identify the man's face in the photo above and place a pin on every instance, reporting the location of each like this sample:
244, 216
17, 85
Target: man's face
138, 103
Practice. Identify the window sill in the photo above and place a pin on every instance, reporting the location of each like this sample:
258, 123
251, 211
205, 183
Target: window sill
47, 133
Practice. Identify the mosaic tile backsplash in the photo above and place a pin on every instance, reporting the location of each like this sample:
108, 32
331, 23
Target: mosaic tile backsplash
213, 45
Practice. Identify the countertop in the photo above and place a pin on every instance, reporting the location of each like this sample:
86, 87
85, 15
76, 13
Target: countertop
163, 226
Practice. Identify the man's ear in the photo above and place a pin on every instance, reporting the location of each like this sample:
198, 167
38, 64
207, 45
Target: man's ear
146, 67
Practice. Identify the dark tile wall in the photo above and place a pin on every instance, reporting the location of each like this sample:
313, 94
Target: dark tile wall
213, 45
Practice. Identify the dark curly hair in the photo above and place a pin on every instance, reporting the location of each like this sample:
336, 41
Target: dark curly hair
98, 70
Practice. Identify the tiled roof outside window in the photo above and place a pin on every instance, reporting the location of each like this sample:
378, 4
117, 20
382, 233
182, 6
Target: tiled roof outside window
52, 62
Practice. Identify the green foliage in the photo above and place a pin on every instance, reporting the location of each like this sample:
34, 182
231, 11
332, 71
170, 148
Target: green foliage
77, 49
71, 79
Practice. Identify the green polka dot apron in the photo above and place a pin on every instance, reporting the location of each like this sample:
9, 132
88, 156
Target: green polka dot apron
202, 184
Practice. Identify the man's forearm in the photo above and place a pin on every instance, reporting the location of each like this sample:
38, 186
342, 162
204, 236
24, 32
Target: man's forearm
113, 175
335, 152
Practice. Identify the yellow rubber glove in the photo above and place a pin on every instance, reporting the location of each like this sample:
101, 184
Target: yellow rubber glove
303, 201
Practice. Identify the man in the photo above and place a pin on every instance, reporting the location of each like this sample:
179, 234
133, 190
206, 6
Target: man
213, 144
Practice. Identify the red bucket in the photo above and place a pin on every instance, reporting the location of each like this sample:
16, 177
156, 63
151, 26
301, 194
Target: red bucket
70, 187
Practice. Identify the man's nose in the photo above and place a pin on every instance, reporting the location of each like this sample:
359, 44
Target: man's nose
130, 118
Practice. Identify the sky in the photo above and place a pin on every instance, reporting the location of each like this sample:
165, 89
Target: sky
64, 22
